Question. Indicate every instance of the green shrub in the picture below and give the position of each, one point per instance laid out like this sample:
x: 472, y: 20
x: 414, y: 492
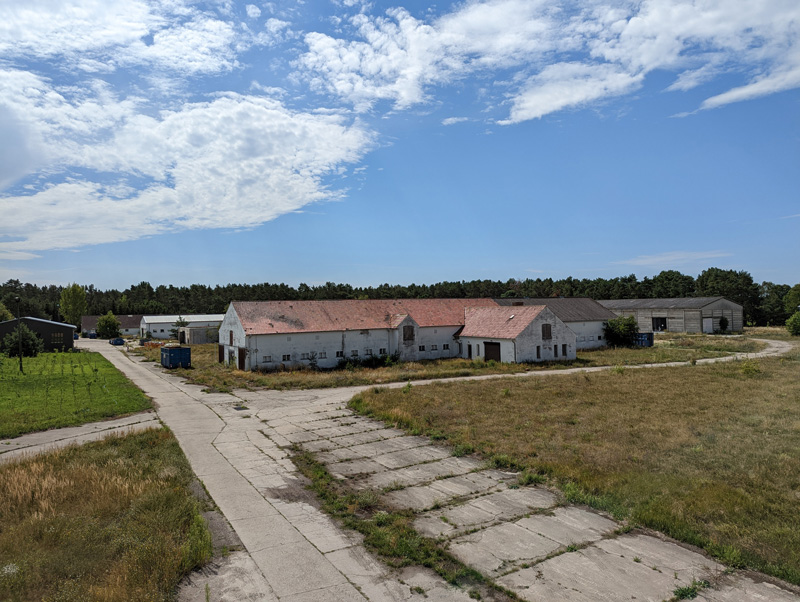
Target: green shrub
x: 108, y: 326
x: 723, y: 324
x: 621, y: 332
x: 793, y: 324
x: 31, y: 344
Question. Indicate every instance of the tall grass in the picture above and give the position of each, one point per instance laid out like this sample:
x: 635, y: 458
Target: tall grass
x: 707, y: 454
x: 63, y: 389
x: 111, y: 521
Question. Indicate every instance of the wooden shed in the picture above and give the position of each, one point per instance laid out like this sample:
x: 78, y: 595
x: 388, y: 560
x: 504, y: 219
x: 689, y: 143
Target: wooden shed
x: 689, y: 314
x: 55, y: 335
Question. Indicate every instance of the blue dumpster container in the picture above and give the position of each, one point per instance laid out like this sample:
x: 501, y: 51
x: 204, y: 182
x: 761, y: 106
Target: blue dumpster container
x: 643, y: 339
x: 176, y: 357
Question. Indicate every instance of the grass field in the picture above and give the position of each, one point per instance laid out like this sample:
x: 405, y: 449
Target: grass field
x: 208, y: 372
x: 707, y: 454
x: 112, y: 521
x: 63, y: 389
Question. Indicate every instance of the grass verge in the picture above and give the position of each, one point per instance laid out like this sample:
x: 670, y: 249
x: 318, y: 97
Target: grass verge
x: 63, y: 389
x: 112, y: 520
x: 387, y: 533
x: 206, y: 370
x: 706, y: 454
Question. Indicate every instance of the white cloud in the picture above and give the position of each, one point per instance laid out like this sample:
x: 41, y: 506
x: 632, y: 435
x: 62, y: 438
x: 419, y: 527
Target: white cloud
x: 101, y: 36
x: 253, y: 11
x: 237, y: 161
x: 454, y: 120
x: 672, y: 258
x: 560, y: 56
x: 568, y: 85
x: 47, y: 28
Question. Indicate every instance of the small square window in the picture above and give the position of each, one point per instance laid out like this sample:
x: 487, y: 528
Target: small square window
x: 434, y: 347
x: 340, y: 354
x: 322, y: 355
x: 267, y: 358
x: 382, y: 351
x: 287, y: 357
x: 446, y: 346
x: 367, y: 351
x: 354, y: 353
x: 422, y: 347
x: 599, y: 338
x: 303, y: 356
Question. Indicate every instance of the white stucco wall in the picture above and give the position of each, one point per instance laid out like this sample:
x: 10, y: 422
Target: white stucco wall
x: 588, y: 335
x: 507, y: 348
x: 297, y: 349
x: 438, y: 343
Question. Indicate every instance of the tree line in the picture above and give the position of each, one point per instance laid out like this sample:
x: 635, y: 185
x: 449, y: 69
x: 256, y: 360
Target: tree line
x: 764, y: 304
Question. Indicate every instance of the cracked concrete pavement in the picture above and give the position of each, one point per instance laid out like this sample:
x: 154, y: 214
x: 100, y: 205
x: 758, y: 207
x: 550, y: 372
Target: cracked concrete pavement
x: 524, y: 538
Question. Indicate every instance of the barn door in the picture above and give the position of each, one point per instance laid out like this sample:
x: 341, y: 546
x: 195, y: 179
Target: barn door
x: 708, y: 325
x: 491, y: 351
x: 242, y: 355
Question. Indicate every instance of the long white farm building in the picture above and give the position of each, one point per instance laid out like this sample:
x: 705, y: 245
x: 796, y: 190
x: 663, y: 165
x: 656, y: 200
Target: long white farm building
x: 268, y: 334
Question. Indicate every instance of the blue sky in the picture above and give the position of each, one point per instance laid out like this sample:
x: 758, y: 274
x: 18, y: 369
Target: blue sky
x: 367, y: 142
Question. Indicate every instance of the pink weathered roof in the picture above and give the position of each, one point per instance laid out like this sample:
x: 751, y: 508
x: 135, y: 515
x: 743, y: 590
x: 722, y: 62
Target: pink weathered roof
x: 286, y: 317
x: 499, y: 322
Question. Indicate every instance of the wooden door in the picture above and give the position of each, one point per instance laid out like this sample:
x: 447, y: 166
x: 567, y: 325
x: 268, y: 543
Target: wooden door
x: 491, y: 351
x: 242, y: 355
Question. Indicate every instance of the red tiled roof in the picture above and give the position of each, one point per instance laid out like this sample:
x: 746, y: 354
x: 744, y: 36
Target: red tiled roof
x: 499, y: 322
x: 286, y: 317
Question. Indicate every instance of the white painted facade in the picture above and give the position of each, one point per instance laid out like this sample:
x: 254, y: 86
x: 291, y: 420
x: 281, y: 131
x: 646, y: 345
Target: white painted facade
x: 588, y: 335
x: 327, y: 349
x: 528, y: 346
x: 159, y: 327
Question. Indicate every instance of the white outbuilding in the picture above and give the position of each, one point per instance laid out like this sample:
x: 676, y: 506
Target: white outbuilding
x: 584, y: 316
x: 530, y: 333
x: 161, y: 327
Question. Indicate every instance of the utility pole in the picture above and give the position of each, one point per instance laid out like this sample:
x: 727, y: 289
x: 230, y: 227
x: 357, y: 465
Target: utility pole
x: 19, y: 336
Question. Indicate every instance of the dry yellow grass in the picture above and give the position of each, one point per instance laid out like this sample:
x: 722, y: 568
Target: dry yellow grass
x: 708, y: 454
x: 111, y: 521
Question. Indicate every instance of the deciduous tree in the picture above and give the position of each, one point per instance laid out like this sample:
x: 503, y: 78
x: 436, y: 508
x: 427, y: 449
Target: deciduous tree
x: 73, y: 304
x: 108, y: 326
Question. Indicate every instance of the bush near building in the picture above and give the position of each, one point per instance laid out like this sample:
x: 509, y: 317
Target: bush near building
x: 621, y: 332
x: 793, y: 324
x: 31, y: 344
x: 108, y: 326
